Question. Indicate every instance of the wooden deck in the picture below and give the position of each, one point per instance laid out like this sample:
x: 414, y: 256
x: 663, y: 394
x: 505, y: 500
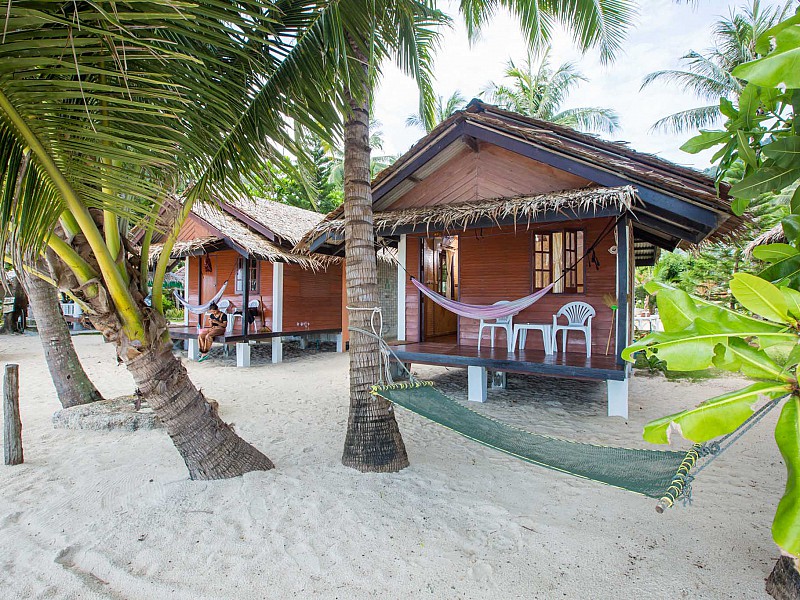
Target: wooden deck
x: 570, y: 364
x: 190, y: 333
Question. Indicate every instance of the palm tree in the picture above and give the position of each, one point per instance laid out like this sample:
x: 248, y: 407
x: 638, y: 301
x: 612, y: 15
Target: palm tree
x: 708, y: 75
x: 405, y: 29
x: 73, y: 386
x: 442, y: 110
x: 376, y: 163
x: 538, y: 91
x: 100, y: 122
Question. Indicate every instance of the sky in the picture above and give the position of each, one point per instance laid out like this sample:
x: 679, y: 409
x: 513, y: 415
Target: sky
x: 664, y: 31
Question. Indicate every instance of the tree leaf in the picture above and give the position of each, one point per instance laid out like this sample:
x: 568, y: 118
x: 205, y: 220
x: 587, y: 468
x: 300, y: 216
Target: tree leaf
x: 727, y: 108
x: 791, y: 228
x: 705, y: 140
x: 784, y: 151
x: 783, y: 272
x: 786, y: 525
x: 739, y: 205
x: 780, y: 67
x: 738, y: 355
x: 774, y: 252
x: 792, y: 297
x: 794, y: 203
x: 749, y: 103
x: 714, y: 417
x: 760, y: 296
x: 746, y: 152
x: 765, y: 179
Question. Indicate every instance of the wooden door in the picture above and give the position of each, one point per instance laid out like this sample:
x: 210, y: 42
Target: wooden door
x: 208, y: 278
x: 440, y: 273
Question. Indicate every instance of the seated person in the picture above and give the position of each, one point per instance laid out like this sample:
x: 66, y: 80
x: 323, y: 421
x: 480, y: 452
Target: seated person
x: 219, y: 323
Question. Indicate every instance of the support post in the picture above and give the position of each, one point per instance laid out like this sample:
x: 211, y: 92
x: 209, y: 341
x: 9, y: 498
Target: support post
x: 193, y: 353
x: 499, y: 380
x: 622, y: 324
x: 339, y: 343
x: 277, y: 311
x: 401, y: 288
x: 476, y: 384
x: 186, y: 290
x: 12, y: 424
x: 243, y: 354
x: 617, y: 398
x: 245, y: 293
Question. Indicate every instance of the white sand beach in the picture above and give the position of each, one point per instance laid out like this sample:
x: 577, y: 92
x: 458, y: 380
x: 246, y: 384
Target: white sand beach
x: 96, y: 514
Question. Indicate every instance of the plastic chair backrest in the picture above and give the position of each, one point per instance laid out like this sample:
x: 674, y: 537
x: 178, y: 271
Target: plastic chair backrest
x: 254, y: 304
x: 224, y: 305
x: 503, y: 320
x: 577, y: 313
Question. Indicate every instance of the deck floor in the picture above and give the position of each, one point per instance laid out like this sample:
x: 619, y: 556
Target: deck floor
x: 446, y: 352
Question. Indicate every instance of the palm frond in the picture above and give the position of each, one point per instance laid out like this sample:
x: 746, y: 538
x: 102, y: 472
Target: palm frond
x: 689, y: 120
x: 589, y: 119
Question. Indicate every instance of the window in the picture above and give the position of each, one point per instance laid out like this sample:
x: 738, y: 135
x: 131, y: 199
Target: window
x: 558, y: 257
x: 254, y: 283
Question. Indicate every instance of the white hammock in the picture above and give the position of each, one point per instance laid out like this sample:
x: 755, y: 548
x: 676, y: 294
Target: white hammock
x: 199, y: 309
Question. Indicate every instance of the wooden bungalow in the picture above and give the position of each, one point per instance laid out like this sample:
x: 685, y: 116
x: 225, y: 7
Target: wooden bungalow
x: 248, y: 245
x: 492, y: 206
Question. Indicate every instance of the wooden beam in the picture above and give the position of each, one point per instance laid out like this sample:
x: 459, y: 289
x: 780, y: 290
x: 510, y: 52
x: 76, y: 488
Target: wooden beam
x: 245, y: 294
x: 623, y: 279
x: 401, y: 288
x: 249, y: 221
x: 12, y: 424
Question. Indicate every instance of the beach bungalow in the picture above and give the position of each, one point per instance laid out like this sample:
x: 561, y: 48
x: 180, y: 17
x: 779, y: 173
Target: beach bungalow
x: 241, y: 254
x: 492, y: 206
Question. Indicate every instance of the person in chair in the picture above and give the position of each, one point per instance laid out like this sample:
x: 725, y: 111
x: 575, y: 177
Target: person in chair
x: 219, y: 324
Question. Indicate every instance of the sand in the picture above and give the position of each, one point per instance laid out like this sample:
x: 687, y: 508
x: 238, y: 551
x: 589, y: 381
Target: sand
x: 96, y: 514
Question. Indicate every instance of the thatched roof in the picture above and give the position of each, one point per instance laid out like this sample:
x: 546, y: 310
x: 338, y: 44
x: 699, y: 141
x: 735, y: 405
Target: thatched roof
x: 771, y: 236
x: 522, y: 210
x: 230, y: 231
x: 290, y: 223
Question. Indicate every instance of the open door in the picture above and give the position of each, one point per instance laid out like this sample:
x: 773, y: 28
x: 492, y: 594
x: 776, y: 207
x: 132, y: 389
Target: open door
x: 440, y: 273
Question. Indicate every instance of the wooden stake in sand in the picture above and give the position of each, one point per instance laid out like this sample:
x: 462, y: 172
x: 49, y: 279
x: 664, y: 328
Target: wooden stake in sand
x: 12, y: 424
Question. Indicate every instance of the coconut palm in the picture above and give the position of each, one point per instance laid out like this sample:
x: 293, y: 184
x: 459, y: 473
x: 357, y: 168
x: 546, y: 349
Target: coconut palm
x: 537, y: 91
x: 708, y: 74
x: 442, y: 110
x: 99, y: 124
x: 405, y: 30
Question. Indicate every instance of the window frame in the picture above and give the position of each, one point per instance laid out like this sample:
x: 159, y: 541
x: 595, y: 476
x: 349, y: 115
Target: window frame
x: 255, y: 278
x: 578, y: 251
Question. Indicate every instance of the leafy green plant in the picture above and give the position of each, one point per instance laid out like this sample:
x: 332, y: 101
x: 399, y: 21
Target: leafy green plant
x: 761, y: 133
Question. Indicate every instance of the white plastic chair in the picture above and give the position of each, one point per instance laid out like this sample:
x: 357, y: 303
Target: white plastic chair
x: 506, y: 323
x: 579, y: 318
x: 256, y: 304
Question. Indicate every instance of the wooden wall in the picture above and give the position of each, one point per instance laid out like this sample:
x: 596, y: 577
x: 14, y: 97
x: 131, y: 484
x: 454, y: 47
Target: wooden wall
x: 492, y: 172
x: 496, y: 265
x: 312, y: 297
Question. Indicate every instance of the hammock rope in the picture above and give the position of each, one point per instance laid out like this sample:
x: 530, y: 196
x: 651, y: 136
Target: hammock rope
x: 664, y: 475
x: 480, y: 311
x: 199, y: 309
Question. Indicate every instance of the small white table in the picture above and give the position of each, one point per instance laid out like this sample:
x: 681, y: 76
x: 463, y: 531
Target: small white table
x: 521, y: 332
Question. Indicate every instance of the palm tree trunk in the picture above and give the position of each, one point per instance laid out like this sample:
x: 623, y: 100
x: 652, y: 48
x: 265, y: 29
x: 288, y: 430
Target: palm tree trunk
x: 209, y: 446
x: 14, y: 322
x: 72, y: 384
x: 373, y: 442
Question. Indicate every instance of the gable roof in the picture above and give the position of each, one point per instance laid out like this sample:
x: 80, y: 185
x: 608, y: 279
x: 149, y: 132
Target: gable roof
x: 263, y: 229
x: 675, y: 204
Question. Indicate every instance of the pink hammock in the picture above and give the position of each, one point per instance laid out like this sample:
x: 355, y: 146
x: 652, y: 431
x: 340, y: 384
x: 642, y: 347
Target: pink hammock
x: 480, y: 311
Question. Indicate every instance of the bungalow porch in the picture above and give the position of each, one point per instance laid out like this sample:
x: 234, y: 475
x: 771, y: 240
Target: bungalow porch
x: 491, y: 206
x: 271, y: 293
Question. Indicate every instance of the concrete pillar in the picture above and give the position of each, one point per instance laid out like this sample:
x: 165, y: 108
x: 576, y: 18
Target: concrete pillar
x: 277, y: 311
x: 242, y: 354
x: 476, y: 377
x: 617, y: 398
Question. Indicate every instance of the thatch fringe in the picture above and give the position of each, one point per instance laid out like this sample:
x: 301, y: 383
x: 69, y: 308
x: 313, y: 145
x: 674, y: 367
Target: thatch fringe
x: 450, y: 217
x: 771, y: 236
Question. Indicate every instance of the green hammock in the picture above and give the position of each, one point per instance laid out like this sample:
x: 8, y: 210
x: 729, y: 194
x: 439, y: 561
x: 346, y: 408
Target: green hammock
x: 655, y: 473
